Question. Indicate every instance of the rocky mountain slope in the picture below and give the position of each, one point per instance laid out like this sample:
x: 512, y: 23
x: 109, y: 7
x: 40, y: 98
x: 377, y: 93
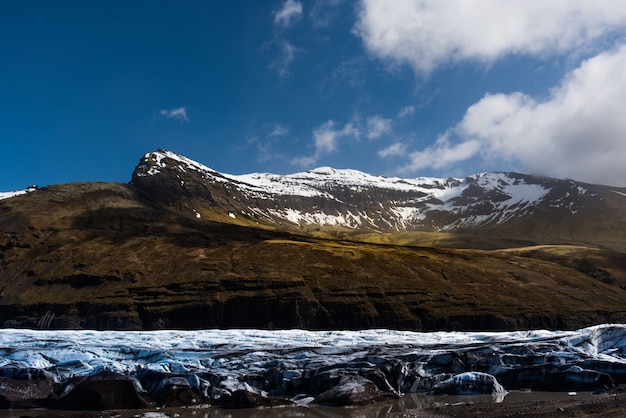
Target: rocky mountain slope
x: 489, y: 202
x: 183, y: 246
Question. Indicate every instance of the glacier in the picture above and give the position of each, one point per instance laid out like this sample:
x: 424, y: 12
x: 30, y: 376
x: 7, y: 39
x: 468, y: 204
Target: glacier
x: 299, y: 364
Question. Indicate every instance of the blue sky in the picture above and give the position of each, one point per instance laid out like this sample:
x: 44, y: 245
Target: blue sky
x: 390, y: 87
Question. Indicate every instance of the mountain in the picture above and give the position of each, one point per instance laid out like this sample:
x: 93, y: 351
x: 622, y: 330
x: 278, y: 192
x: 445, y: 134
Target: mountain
x: 183, y: 246
x: 505, y: 205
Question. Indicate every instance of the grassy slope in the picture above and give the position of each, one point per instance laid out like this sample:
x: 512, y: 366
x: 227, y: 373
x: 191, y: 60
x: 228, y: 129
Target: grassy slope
x: 100, y: 255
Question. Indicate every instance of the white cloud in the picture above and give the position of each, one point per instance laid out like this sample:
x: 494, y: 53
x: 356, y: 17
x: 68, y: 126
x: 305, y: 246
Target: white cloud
x: 393, y: 150
x: 284, y: 51
x: 306, y: 161
x: 278, y: 130
x: 265, y: 139
x: 351, y: 71
x: 407, y: 111
x: 325, y: 138
x: 323, y: 12
x: 284, y: 58
x: 429, y: 33
x: 179, y: 114
x: 578, y: 132
x: 288, y: 14
x: 377, y: 127
x: 442, y: 154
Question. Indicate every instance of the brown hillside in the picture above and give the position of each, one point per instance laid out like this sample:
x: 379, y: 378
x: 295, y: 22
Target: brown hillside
x: 103, y: 255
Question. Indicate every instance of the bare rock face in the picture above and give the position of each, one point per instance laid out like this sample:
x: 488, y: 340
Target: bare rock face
x: 175, y: 391
x: 26, y: 388
x: 101, y: 392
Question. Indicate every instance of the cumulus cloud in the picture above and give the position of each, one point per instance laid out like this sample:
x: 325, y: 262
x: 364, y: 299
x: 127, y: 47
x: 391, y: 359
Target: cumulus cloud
x: 393, y: 150
x: 325, y: 139
x: 288, y: 14
x: 429, y: 33
x: 377, y: 127
x: 578, y: 132
x: 180, y: 114
x: 442, y: 154
x: 326, y: 136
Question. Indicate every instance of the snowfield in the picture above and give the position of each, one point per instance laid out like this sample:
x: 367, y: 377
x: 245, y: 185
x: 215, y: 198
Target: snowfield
x: 6, y: 195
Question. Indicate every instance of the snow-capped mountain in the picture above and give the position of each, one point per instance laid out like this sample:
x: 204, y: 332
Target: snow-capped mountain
x: 353, y: 199
x: 184, y: 246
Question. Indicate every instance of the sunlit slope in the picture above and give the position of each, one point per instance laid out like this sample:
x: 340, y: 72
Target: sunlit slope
x: 487, y: 210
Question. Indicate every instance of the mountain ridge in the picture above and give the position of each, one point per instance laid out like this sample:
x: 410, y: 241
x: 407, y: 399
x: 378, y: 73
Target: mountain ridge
x: 172, y: 249
x: 491, y: 203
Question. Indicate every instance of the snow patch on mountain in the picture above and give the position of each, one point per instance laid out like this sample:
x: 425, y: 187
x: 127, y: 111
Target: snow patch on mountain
x: 311, y: 183
x: 619, y: 193
x: 354, y: 199
x: 516, y: 191
x: 350, y: 220
x: 506, y: 198
x: 6, y: 195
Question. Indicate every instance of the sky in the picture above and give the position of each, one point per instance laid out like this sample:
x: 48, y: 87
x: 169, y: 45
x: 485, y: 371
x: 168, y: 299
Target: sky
x: 409, y: 88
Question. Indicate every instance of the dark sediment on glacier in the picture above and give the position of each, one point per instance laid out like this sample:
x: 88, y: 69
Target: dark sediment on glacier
x: 115, y: 371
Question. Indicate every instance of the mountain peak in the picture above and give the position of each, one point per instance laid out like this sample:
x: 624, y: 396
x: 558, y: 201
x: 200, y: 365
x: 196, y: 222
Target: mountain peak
x: 323, y: 170
x: 153, y: 162
x: 326, y: 196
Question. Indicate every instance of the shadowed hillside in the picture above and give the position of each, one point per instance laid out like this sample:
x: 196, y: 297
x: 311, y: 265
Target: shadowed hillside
x: 106, y: 255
